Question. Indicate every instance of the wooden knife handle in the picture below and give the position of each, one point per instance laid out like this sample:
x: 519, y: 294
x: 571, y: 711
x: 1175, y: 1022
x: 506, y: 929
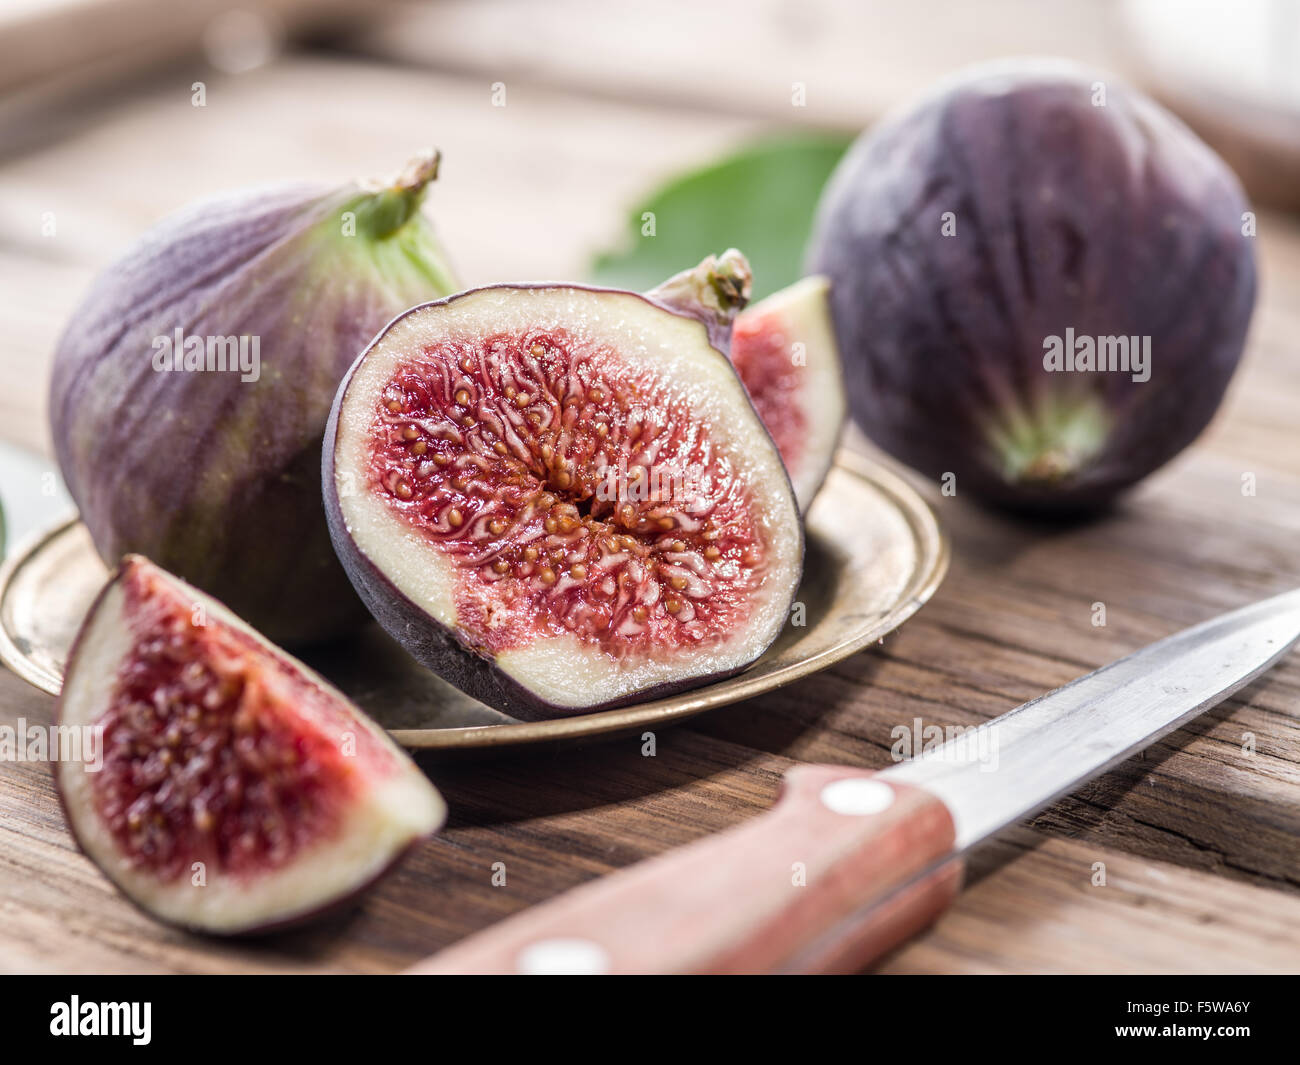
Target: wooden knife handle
x: 842, y: 869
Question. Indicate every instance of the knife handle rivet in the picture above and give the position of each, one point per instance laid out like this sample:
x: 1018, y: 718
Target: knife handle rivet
x: 857, y: 796
x: 562, y: 957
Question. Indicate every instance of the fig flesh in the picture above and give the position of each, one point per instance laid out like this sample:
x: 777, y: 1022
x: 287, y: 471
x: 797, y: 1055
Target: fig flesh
x: 1020, y: 210
x: 785, y: 352
x: 191, y: 388
x: 236, y: 791
x: 559, y: 497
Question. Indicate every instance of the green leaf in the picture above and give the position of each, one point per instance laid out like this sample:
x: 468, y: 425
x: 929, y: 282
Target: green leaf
x: 760, y: 200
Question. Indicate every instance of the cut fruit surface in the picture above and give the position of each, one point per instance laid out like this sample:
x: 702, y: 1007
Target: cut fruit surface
x: 785, y: 352
x: 236, y: 790
x: 560, y: 498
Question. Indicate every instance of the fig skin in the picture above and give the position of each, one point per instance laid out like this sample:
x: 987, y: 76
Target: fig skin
x: 1112, y: 220
x: 83, y: 826
x: 441, y: 648
x: 214, y: 478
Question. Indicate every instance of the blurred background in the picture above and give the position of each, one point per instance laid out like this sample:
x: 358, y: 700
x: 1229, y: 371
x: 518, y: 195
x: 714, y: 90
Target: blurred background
x: 114, y: 112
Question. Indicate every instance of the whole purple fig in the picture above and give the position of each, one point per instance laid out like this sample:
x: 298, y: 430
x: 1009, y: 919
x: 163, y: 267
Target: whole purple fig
x: 191, y: 389
x: 1041, y: 283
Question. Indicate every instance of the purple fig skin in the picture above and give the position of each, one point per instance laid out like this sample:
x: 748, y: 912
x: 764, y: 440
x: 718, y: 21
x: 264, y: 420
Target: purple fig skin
x: 426, y: 639
x: 291, y: 921
x: 1112, y: 220
x: 214, y: 478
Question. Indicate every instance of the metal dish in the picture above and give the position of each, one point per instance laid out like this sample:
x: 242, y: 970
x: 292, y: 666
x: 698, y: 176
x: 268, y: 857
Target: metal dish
x: 874, y: 556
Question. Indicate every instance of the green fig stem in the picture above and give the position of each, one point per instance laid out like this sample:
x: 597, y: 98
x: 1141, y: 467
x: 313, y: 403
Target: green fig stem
x: 713, y: 292
x: 384, y: 212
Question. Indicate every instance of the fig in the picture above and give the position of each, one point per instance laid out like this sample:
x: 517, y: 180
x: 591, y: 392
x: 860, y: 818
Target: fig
x: 559, y: 497
x: 785, y: 352
x: 233, y: 790
x: 191, y: 388
x: 1041, y: 283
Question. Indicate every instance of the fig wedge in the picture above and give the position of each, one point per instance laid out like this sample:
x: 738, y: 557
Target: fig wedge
x: 785, y: 351
x: 233, y: 791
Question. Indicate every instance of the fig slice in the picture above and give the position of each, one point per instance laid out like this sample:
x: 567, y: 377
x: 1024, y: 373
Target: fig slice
x: 785, y: 352
x: 560, y: 497
x: 235, y: 790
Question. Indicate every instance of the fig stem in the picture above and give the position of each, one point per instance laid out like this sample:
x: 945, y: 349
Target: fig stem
x: 384, y: 211
x: 713, y: 292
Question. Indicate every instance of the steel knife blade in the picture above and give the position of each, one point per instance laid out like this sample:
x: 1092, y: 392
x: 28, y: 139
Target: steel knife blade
x: 1050, y: 745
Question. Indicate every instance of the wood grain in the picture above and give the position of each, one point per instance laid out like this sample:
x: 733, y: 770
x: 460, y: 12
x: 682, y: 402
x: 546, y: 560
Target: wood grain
x: 1200, y: 838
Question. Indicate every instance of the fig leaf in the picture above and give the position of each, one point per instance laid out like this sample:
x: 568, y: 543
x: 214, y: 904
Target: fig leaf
x: 761, y: 199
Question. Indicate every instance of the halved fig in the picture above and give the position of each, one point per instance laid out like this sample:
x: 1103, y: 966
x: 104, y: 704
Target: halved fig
x: 559, y: 497
x: 236, y: 791
x: 785, y: 351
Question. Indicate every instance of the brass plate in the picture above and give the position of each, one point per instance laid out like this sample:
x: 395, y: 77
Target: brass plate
x: 874, y: 556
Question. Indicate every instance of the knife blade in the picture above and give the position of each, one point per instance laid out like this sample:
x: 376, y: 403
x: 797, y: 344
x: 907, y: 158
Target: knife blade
x: 1052, y: 744
x: 850, y: 863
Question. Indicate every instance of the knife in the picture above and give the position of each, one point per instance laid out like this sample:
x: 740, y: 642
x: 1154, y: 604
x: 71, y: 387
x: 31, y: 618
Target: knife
x: 849, y: 864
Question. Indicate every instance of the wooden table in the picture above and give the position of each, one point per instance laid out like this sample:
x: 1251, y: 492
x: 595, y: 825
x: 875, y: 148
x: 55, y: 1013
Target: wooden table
x: 1200, y: 840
